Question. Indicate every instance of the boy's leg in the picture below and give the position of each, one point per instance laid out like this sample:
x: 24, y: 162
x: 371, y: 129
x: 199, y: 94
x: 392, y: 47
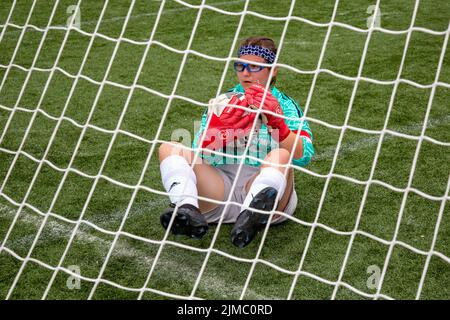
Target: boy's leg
x: 184, y: 184
x: 209, y: 183
x: 275, y: 157
x: 261, y: 194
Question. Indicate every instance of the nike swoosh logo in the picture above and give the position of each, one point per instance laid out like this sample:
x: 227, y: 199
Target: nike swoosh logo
x: 173, y: 185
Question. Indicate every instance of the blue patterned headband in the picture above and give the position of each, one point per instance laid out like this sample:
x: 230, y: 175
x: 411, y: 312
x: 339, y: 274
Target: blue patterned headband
x: 257, y: 51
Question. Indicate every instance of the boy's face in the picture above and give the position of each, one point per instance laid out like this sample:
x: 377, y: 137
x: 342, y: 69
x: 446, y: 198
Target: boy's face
x: 247, y: 78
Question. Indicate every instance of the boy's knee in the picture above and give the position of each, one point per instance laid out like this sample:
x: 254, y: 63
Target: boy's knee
x: 280, y: 155
x: 167, y: 149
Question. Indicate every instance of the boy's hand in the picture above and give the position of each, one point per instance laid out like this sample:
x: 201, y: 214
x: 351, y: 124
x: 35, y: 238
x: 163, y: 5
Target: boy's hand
x: 227, y: 128
x: 254, y: 95
x: 231, y: 115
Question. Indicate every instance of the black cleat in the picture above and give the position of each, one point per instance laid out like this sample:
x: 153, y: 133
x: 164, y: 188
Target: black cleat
x: 249, y: 223
x: 188, y: 221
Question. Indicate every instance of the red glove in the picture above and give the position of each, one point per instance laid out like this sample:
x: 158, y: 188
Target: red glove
x: 254, y: 96
x: 232, y: 115
x: 230, y: 126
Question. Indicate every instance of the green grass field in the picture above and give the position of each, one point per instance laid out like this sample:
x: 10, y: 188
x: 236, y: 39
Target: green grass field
x: 177, y: 268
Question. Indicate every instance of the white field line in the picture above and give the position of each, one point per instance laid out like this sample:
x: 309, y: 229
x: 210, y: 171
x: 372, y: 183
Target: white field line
x: 138, y: 211
x: 328, y: 152
x: 221, y: 287
x: 164, y: 12
x: 9, y: 31
x: 346, y: 148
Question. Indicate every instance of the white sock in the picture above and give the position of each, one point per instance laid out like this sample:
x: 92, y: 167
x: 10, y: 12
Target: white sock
x: 268, y: 177
x: 179, y: 178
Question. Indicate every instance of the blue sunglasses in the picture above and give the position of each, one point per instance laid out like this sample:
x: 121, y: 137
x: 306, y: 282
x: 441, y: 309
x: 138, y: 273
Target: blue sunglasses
x: 240, y: 66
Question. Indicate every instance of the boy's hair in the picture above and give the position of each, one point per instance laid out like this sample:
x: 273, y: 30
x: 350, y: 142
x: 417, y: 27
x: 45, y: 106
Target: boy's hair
x: 265, y: 43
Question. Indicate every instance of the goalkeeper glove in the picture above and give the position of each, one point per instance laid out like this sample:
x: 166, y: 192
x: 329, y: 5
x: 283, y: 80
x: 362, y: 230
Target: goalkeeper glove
x: 232, y: 124
x: 232, y: 115
x: 254, y: 95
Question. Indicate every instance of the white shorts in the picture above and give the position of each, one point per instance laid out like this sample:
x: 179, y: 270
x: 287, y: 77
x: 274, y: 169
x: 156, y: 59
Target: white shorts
x: 228, y: 173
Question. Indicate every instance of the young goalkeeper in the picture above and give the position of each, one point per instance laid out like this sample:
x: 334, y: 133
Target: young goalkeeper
x: 258, y: 183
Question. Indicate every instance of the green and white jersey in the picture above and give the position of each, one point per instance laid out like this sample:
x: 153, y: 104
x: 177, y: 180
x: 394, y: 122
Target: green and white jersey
x: 262, y: 143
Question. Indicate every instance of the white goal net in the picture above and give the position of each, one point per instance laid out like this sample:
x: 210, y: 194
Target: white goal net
x: 45, y: 219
